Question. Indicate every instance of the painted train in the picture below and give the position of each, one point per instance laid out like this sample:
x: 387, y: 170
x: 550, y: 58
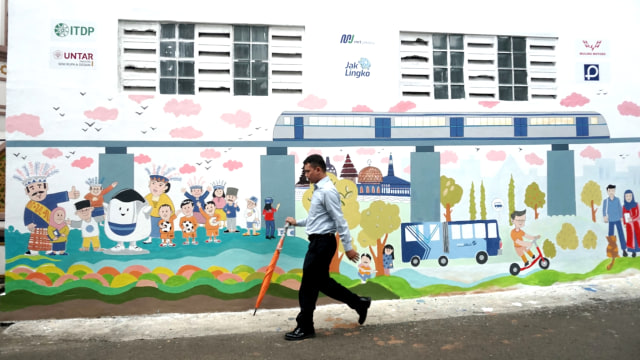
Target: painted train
x: 368, y: 125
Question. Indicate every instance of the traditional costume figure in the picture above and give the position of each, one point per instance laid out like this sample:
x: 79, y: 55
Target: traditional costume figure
x: 198, y: 197
x: 159, y: 186
x: 96, y: 196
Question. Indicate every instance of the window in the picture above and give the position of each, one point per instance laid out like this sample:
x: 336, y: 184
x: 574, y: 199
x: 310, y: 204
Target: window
x: 512, y: 68
x: 177, y: 65
x: 250, y: 60
x: 448, y: 63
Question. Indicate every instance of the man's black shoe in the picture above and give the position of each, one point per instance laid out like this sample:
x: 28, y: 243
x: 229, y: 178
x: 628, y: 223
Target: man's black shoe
x: 362, y: 309
x: 299, y: 334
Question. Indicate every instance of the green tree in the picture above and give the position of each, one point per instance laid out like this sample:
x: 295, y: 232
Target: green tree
x: 377, y: 222
x: 549, y: 249
x: 472, y: 203
x: 567, y: 238
x: 590, y: 240
x: 591, y: 196
x: 512, y: 198
x: 534, y: 198
x: 483, y: 204
x: 450, y: 195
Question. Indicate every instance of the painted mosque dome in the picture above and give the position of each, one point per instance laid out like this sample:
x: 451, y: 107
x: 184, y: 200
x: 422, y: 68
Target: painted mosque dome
x: 370, y: 175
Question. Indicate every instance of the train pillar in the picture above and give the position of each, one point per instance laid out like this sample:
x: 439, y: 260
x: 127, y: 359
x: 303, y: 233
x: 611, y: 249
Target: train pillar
x: 278, y: 173
x: 115, y: 165
x: 561, y: 181
x: 425, y: 184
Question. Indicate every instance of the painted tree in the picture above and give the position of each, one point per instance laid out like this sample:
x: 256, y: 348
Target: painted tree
x: 450, y: 195
x: 472, y: 203
x: 567, y: 238
x: 591, y: 196
x: 534, y: 197
x: 483, y: 202
x: 512, y: 198
x: 377, y: 222
x: 549, y: 249
x: 590, y: 240
x: 350, y: 208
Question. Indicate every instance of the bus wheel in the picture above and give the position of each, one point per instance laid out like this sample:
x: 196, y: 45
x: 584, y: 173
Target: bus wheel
x: 514, y: 269
x: 415, y: 261
x: 482, y: 257
x: 544, y: 263
x: 443, y: 261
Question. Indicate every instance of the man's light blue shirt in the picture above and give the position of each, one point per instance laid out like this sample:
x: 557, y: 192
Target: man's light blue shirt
x: 325, y: 213
x: 612, y: 209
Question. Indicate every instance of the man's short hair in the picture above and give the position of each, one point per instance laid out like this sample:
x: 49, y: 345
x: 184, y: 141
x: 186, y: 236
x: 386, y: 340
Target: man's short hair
x: 185, y: 202
x: 518, y: 213
x: 611, y: 186
x: 316, y: 160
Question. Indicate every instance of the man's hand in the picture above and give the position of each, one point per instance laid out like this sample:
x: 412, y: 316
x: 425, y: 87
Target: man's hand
x: 291, y: 220
x: 353, y: 255
x: 606, y: 219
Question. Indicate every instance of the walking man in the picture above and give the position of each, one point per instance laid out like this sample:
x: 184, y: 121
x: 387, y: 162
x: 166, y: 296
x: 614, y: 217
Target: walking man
x: 324, y: 220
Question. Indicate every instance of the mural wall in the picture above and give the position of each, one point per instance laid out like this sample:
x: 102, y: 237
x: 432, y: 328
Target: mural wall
x: 155, y: 151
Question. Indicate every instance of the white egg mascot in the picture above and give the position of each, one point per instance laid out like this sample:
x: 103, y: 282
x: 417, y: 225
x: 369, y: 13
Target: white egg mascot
x: 127, y: 220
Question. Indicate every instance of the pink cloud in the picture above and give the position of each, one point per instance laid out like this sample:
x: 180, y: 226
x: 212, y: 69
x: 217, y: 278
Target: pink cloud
x: 407, y: 170
x: 533, y: 159
x: 24, y: 123
x: 366, y: 151
x: 295, y: 157
x: 448, y: 157
x: 361, y: 108
x: 494, y: 155
x: 312, y: 102
x: 338, y: 158
x: 187, y: 169
x: 184, y: 107
x: 140, y: 98
x: 210, y: 154
x: 402, y: 106
x: 591, y: 153
x: 102, y: 114
x: 629, y: 108
x: 52, y: 153
x: 232, y: 165
x: 314, y: 151
x: 82, y: 163
x: 574, y: 100
x: 142, y: 159
x: 488, y: 104
x: 240, y: 119
x: 187, y: 132
x: 385, y: 160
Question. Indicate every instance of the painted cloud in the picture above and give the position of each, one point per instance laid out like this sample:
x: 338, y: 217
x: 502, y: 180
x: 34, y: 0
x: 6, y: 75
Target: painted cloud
x: 591, y: 153
x: 448, y: 157
x: 533, y: 159
x: 187, y: 169
x: 187, y: 132
x: 574, y: 100
x: 494, y: 155
x: 312, y: 102
x: 402, y: 106
x: 232, y: 165
x: 102, y: 114
x: 210, y: 154
x: 25, y: 123
x: 629, y: 108
x: 184, y: 107
x: 241, y: 119
x: 488, y: 104
x: 361, y: 108
x: 142, y: 159
x: 140, y: 98
x: 52, y: 153
x: 82, y: 163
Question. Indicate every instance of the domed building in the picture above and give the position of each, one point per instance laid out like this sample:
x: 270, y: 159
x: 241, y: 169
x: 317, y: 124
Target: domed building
x: 371, y: 182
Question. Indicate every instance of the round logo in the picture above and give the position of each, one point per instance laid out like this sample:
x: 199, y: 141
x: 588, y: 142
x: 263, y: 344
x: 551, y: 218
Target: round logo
x: 497, y: 204
x: 61, y: 30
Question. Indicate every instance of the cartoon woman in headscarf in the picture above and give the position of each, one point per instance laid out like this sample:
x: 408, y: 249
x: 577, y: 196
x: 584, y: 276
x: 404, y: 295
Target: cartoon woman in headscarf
x: 58, y: 232
x: 631, y: 220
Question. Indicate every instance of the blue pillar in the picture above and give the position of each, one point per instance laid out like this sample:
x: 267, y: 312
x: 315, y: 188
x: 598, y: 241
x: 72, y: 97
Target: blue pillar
x: 561, y: 181
x: 277, y: 180
x: 425, y: 185
x: 116, y: 165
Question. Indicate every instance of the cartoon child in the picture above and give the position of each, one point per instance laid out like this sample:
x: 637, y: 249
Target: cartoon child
x: 212, y: 225
x: 159, y: 186
x: 387, y: 259
x: 88, y: 225
x: 219, y: 199
x: 96, y: 196
x: 631, y: 219
x: 58, y: 232
x: 268, y: 212
x: 188, y: 223
x: 197, y: 196
x: 231, y: 209
x: 364, y: 268
x: 517, y: 234
x: 252, y: 217
x: 167, y: 230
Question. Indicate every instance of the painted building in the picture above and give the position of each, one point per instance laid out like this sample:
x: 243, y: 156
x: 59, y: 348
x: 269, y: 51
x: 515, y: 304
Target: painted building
x: 142, y: 134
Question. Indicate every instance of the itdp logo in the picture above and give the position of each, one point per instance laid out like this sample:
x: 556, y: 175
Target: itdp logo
x: 591, y: 72
x: 64, y: 30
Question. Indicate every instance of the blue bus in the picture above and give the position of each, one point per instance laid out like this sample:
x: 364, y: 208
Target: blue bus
x: 450, y: 240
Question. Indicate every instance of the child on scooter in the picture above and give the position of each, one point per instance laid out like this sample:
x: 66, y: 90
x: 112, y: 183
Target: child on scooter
x: 517, y: 234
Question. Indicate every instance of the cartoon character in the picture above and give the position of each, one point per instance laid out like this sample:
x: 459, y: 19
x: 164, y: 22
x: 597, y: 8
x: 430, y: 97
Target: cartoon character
x: 219, y: 199
x: 197, y: 196
x: 96, y: 196
x: 387, y: 259
x: 159, y: 186
x: 231, y: 209
x: 213, y: 224
x: 631, y: 219
x: 252, y: 217
x: 269, y: 212
x: 612, y: 214
x: 37, y: 212
x: 364, y: 268
x: 88, y: 225
x: 167, y: 231
x: 58, y: 232
x: 517, y: 234
x: 188, y: 223
x: 127, y: 220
